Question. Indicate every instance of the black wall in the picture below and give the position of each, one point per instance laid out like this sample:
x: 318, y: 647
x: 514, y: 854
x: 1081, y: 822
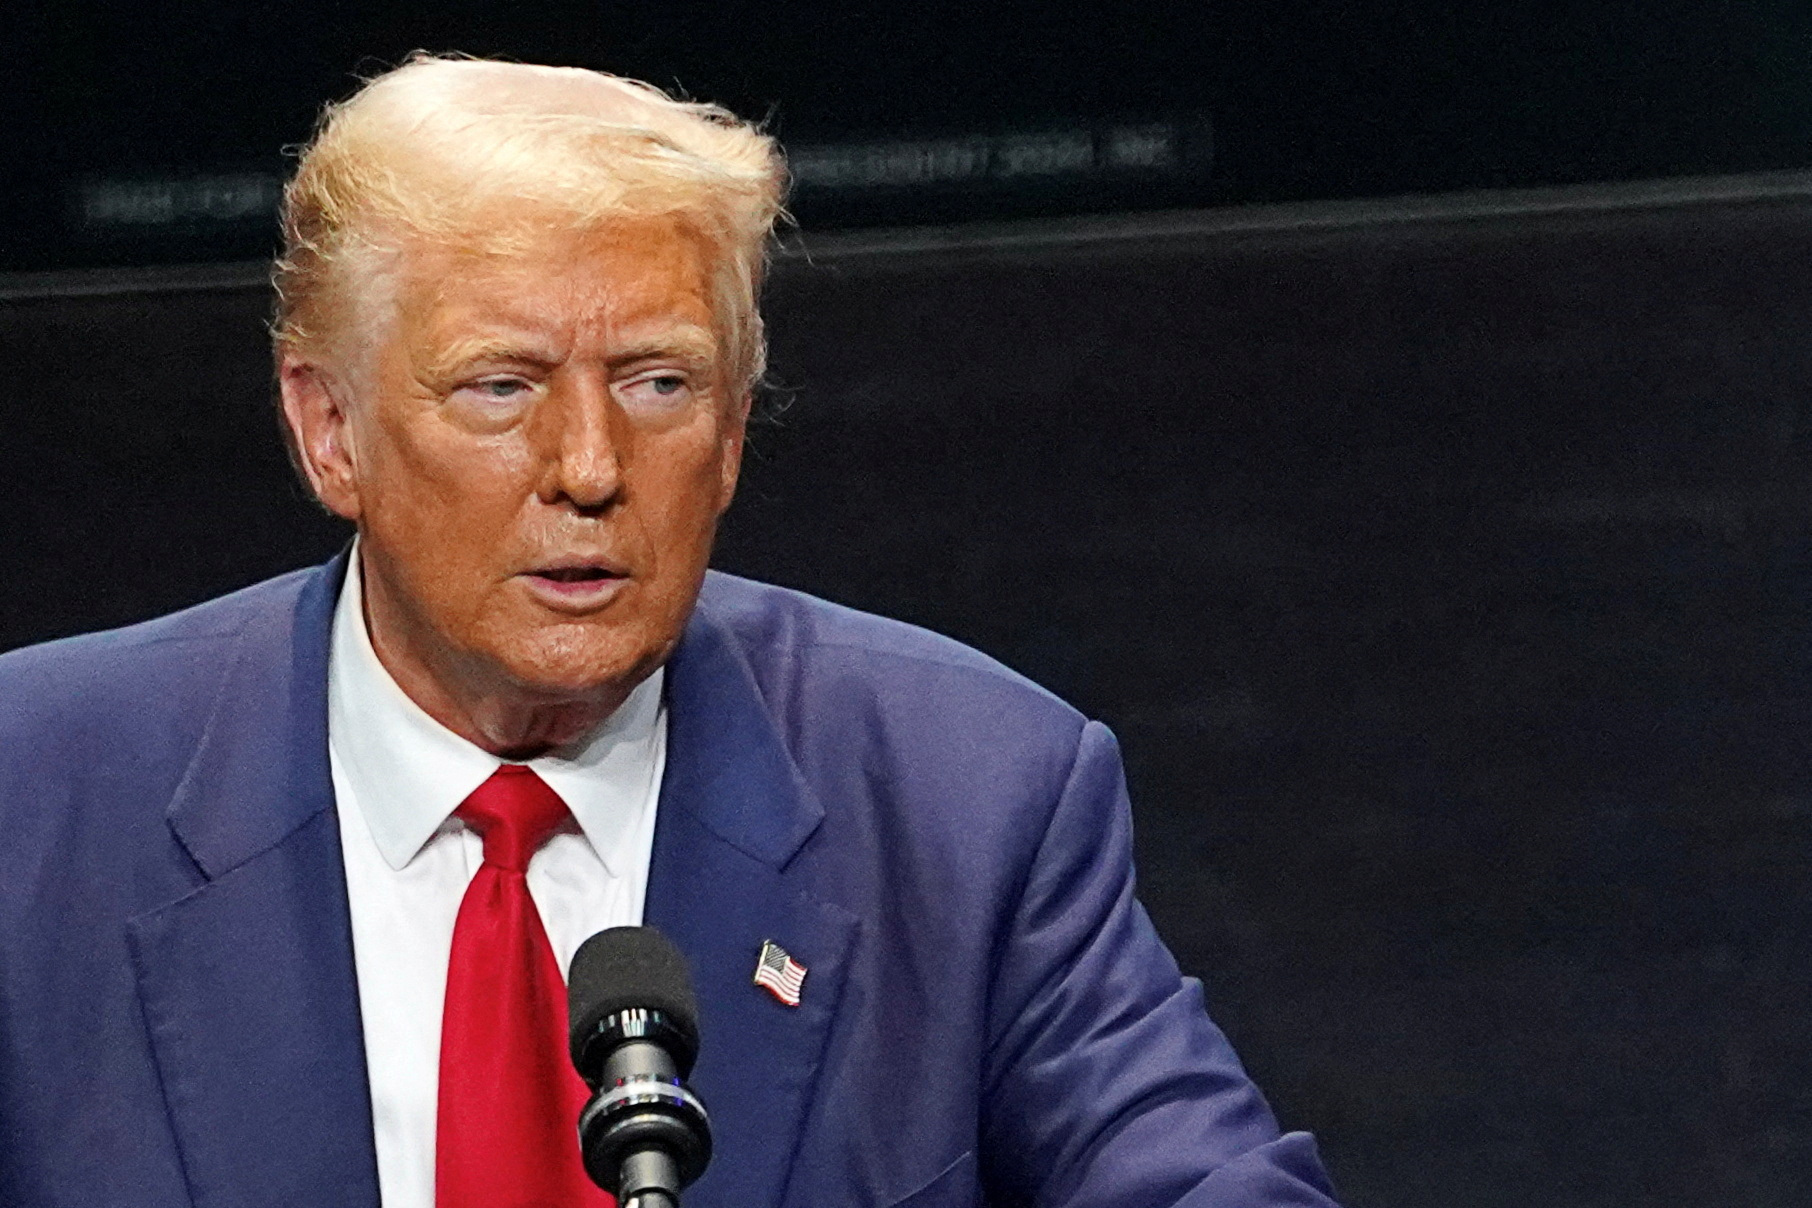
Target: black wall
x: 1306, y: 98
x: 1445, y: 579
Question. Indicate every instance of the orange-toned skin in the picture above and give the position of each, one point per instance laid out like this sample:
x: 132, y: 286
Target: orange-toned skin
x: 571, y: 405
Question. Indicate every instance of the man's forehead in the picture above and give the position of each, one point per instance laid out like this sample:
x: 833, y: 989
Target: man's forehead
x: 634, y: 265
x: 457, y: 306
x: 522, y: 237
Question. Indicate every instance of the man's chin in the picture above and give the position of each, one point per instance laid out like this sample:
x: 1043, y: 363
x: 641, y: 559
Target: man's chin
x: 564, y: 671
x: 548, y: 704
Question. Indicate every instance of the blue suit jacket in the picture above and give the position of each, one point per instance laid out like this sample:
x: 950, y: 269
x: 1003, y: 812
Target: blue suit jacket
x: 988, y: 1016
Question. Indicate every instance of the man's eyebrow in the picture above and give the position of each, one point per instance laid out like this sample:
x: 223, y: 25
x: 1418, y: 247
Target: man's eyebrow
x: 474, y: 350
x: 685, y: 340
x: 689, y: 340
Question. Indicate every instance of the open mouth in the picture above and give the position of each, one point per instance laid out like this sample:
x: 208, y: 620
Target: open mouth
x: 577, y: 585
x: 575, y: 574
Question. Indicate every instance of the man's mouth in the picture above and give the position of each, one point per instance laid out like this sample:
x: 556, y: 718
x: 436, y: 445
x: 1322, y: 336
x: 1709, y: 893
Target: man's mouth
x: 582, y: 585
x: 574, y: 574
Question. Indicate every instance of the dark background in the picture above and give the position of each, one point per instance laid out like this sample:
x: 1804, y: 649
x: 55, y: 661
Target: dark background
x: 1306, y: 98
x: 1441, y: 562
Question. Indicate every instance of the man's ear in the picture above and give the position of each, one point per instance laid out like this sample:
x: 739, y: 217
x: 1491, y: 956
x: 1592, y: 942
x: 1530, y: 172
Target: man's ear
x: 314, y: 407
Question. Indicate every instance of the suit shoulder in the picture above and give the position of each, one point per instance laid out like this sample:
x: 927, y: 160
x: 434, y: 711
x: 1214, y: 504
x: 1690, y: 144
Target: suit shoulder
x: 795, y: 642
x: 109, y: 678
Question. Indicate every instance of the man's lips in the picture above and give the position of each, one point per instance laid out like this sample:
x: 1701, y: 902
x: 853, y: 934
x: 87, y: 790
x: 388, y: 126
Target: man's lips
x: 578, y: 583
x: 575, y: 574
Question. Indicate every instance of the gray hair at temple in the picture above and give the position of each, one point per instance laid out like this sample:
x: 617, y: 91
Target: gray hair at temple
x: 479, y: 155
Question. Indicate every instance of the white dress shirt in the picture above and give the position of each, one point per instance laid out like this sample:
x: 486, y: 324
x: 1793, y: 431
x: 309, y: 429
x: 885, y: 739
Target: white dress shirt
x: 398, y: 775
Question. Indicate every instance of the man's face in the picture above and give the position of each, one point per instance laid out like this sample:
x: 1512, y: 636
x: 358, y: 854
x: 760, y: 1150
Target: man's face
x: 537, y: 457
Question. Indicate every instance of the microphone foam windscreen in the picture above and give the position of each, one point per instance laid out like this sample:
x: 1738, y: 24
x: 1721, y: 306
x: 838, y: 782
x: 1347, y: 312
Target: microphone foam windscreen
x: 624, y: 967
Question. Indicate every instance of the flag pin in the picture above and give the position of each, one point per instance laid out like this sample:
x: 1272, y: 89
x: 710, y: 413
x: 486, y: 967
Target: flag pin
x: 779, y: 972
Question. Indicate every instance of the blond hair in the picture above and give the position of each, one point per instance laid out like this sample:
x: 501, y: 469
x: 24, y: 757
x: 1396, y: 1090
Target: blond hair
x: 477, y: 155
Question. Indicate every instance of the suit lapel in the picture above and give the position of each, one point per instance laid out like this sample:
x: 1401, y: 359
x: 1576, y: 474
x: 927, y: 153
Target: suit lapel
x: 734, y: 811
x: 248, y: 983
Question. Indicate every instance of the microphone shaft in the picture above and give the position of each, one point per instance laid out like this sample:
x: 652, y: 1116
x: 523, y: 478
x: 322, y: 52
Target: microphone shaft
x: 638, y: 1059
x: 650, y: 1180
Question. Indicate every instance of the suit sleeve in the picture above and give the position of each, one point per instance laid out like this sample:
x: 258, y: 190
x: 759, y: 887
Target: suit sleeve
x: 1106, y: 1085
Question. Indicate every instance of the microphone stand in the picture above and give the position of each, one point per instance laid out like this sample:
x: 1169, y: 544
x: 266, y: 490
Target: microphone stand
x: 650, y: 1180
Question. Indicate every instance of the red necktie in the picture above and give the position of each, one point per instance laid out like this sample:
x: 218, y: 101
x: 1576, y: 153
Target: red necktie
x: 507, y: 1130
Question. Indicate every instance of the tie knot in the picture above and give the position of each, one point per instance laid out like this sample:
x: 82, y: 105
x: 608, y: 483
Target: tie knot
x: 515, y: 811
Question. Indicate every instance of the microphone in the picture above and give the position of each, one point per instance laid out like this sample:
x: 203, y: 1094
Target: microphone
x: 634, y: 1030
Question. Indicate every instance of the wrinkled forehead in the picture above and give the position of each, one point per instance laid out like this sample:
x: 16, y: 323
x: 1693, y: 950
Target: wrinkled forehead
x: 578, y: 266
x: 635, y: 279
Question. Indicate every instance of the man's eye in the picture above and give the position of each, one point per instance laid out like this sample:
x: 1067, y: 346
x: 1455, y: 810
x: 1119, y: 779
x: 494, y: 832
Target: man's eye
x: 656, y: 390
x: 664, y: 384
x: 495, y: 393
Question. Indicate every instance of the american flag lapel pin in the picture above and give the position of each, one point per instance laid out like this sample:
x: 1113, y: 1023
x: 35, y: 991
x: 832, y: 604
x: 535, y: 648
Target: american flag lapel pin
x: 779, y: 973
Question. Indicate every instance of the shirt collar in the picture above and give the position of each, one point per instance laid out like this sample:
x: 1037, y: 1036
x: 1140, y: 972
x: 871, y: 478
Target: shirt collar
x: 410, y: 772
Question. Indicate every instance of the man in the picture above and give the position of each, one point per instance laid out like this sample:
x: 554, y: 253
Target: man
x: 289, y: 878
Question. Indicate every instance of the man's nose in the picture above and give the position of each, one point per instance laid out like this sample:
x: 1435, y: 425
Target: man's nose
x: 581, y: 462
